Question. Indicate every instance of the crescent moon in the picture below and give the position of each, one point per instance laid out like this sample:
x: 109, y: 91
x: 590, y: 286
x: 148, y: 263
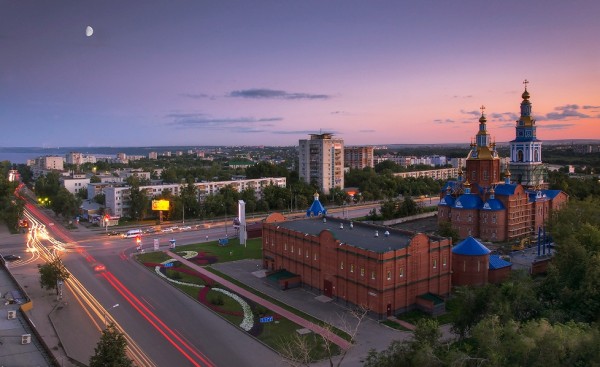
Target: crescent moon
x: 89, y: 31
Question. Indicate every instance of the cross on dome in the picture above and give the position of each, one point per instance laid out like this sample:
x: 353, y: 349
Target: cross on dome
x: 482, y: 108
x: 525, y: 82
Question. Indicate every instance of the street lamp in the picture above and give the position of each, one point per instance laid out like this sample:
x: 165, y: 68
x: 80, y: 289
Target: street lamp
x: 106, y: 313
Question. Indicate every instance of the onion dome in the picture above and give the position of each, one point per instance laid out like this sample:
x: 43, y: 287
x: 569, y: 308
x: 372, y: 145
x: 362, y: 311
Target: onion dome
x: 525, y: 94
x: 470, y: 246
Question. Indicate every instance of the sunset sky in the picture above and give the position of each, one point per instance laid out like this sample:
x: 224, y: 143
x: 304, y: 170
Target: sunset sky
x: 270, y: 72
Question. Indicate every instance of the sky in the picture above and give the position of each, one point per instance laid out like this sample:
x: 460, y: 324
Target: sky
x: 271, y: 72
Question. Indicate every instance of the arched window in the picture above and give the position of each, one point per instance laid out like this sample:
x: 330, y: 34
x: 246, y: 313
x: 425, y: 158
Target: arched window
x: 519, y: 156
x: 536, y: 155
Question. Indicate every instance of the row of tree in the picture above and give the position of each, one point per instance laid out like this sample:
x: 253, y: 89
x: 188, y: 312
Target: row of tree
x: 525, y: 321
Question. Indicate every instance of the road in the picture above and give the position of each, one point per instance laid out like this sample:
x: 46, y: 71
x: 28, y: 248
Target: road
x: 164, y: 326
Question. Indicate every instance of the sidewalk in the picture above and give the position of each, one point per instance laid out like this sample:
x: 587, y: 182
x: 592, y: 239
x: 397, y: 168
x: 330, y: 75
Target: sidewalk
x: 61, y: 324
x: 341, y: 342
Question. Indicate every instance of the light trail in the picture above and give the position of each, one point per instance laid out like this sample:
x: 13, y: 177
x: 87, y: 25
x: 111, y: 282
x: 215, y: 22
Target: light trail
x: 90, y: 305
x: 158, y: 324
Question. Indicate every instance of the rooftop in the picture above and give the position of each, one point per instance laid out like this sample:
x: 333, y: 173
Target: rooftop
x: 359, y: 235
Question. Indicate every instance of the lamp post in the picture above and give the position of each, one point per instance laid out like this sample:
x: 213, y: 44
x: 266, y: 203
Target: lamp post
x: 106, y: 313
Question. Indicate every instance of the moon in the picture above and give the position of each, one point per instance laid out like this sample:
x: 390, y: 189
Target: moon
x: 89, y: 31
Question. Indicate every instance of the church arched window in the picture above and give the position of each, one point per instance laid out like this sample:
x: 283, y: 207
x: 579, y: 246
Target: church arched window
x: 519, y: 156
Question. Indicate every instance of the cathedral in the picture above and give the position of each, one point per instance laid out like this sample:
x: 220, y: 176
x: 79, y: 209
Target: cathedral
x: 482, y: 204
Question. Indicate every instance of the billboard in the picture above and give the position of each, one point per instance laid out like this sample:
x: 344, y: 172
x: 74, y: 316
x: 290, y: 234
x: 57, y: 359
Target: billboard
x: 160, y: 204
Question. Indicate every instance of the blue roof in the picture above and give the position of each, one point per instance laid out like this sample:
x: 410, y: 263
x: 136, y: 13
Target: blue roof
x: 470, y: 246
x: 496, y: 262
x: 316, y: 209
x: 493, y: 204
x: 506, y: 189
x: 551, y: 193
x: 468, y: 201
x: 447, y: 200
x: 524, y: 139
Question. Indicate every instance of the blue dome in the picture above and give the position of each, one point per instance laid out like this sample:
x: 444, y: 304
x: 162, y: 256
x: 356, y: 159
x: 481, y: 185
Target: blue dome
x: 468, y: 201
x: 470, y: 246
x: 316, y: 209
x: 493, y: 204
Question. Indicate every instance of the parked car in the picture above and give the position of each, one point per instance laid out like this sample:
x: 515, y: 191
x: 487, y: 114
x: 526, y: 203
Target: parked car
x: 185, y: 228
x: 11, y: 257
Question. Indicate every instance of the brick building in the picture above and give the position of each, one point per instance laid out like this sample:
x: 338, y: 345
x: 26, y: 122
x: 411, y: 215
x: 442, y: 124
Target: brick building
x: 384, y: 269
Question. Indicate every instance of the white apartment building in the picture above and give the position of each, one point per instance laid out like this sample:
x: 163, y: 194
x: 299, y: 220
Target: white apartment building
x: 117, y: 195
x: 152, y: 155
x: 75, y: 184
x: 321, y: 160
x: 258, y: 184
x: 79, y: 158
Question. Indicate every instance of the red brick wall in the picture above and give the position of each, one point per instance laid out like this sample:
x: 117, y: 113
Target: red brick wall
x: 358, y: 276
x: 469, y: 270
x: 497, y: 276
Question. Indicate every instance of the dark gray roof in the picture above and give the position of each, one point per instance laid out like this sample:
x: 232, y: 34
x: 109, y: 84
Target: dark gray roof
x: 361, y: 235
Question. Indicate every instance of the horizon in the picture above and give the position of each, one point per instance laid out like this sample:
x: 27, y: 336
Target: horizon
x: 239, y: 74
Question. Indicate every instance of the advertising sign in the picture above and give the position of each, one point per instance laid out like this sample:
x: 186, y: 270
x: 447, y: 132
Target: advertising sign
x: 160, y: 204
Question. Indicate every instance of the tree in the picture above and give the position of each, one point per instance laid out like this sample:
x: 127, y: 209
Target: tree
x: 51, y: 273
x: 111, y: 350
x: 302, y: 350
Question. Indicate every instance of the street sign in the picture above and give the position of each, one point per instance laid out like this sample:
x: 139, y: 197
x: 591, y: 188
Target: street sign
x: 266, y: 319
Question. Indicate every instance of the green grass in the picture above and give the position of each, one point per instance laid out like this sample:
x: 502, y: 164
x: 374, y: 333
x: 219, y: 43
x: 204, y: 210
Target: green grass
x: 231, y: 252
x: 273, y: 333
x: 394, y: 325
x: 295, y: 311
x: 415, y: 315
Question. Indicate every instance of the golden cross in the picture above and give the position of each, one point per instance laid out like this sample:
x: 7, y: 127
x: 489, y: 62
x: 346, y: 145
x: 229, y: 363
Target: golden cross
x: 482, y: 108
x: 526, y: 82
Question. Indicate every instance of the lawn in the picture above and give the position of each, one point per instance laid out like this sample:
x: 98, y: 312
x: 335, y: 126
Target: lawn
x: 276, y: 333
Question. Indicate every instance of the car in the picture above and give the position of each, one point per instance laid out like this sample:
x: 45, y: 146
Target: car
x: 185, y: 228
x: 99, y: 267
x: 11, y: 257
x: 150, y: 230
x: 113, y: 233
x: 165, y: 230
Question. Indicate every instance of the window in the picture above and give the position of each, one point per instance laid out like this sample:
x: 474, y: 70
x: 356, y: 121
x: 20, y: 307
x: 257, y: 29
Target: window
x: 315, y: 256
x: 362, y: 272
x: 494, y: 218
x: 342, y: 265
x: 373, y: 275
x: 485, y: 175
x: 389, y: 275
x: 285, y: 246
x: 352, y: 268
x: 401, y: 272
x: 444, y: 261
x: 478, y: 266
x: 307, y: 254
x: 292, y: 249
x: 299, y: 251
x: 435, y: 263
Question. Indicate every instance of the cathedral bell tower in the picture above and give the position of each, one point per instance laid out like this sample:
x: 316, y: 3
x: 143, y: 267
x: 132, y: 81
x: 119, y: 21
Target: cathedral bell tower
x: 526, y: 150
x: 483, y: 162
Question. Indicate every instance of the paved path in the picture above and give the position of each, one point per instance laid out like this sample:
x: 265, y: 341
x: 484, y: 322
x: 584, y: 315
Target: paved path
x: 341, y: 342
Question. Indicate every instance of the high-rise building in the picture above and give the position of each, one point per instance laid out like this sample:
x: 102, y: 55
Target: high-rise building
x: 526, y: 150
x: 321, y: 160
x: 358, y: 157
